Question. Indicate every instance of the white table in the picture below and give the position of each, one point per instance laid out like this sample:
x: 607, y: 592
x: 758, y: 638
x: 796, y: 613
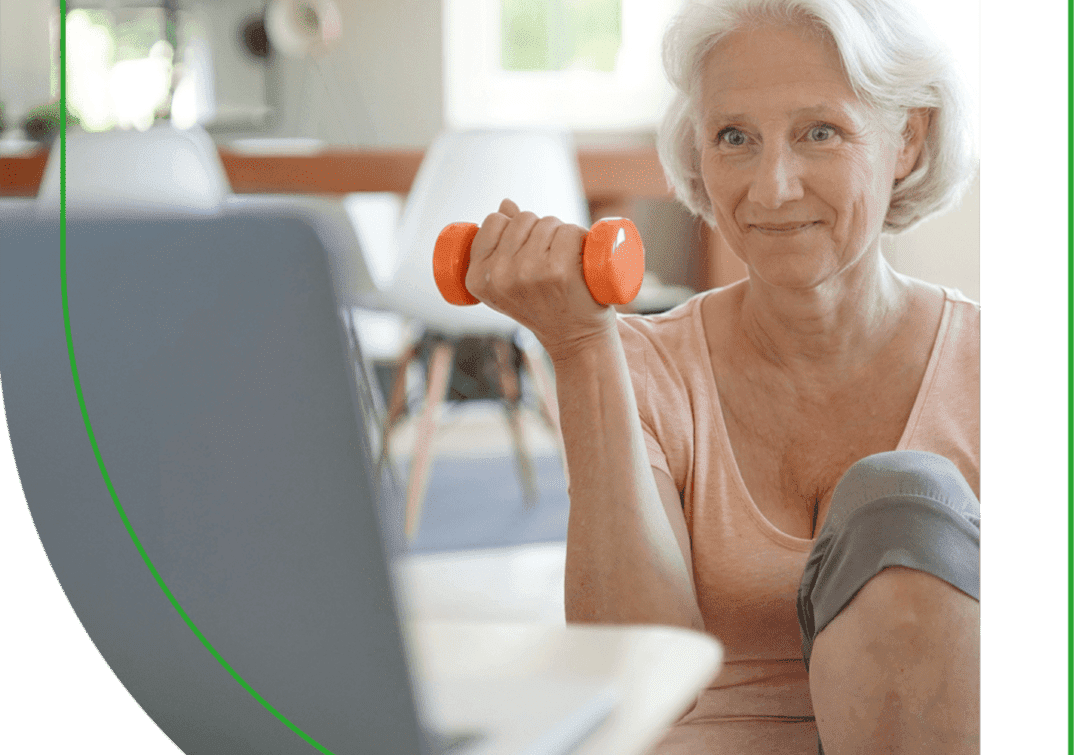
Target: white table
x: 656, y: 671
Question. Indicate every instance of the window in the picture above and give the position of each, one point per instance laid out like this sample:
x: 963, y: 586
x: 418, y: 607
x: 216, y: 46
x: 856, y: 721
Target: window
x: 121, y: 67
x: 560, y: 35
x: 118, y: 66
x: 580, y: 64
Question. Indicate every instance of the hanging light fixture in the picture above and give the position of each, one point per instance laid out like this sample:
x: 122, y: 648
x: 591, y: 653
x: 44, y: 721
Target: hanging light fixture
x: 303, y: 28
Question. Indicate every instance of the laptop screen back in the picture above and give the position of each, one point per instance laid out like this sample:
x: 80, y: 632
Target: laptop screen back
x: 217, y: 388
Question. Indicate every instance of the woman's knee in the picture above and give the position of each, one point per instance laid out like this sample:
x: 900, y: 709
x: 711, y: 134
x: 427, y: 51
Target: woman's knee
x: 920, y: 474
x: 902, y: 657
x: 901, y: 615
x: 892, y: 514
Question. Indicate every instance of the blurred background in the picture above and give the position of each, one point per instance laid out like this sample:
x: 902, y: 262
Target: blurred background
x: 352, y: 111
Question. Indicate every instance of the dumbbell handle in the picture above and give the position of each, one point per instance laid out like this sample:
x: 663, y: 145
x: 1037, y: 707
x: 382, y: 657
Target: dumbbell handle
x: 612, y: 254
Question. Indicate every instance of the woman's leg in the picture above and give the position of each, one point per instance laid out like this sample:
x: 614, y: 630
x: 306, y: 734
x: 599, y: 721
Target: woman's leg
x: 897, y: 670
x: 889, y: 610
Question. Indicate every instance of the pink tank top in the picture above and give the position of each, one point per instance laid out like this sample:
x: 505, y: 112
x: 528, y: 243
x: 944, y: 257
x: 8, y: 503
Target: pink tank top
x: 746, y: 570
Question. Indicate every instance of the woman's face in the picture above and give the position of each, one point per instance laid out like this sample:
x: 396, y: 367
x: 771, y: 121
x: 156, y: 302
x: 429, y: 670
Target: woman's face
x: 798, y: 171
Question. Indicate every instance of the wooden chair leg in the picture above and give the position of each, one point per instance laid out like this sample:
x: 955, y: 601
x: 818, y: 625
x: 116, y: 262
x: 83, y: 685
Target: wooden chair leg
x: 536, y: 366
x: 525, y: 472
x: 511, y: 392
x: 438, y: 379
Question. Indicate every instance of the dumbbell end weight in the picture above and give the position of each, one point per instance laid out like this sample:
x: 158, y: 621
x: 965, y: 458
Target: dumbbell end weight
x: 453, y: 248
x: 613, y: 259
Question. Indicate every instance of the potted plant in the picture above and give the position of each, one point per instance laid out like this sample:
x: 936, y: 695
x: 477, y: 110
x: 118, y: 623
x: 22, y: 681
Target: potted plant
x: 43, y: 122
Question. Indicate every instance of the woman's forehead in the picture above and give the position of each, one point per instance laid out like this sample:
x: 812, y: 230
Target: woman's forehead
x: 774, y: 65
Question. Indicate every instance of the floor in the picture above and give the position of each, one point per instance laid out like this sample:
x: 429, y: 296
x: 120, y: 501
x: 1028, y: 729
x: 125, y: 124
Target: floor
x: 517, y: 580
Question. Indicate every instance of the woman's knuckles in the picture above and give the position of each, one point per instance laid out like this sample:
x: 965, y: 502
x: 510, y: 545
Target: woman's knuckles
x: 543, y: 233
x: 529, y: 268
x: 516, y: 234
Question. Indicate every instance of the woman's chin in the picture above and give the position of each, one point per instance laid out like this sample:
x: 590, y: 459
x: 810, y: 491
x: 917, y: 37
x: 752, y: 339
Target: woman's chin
x: 791, y: 273
x: 802, y: 267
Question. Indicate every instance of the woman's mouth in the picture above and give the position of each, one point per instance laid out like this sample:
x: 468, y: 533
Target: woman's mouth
x: 782, y: 229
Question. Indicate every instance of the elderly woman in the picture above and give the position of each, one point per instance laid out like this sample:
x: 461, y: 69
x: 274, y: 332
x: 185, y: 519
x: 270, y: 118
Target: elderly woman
x: 790, y: 462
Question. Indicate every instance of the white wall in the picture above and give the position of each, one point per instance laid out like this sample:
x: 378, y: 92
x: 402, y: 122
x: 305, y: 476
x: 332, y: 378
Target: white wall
x: 943, y: 250
x: 240, y: 79
x: 380, y: 86
x: 24, y: 55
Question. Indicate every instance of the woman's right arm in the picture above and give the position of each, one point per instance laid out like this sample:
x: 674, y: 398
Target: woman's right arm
x: 627, y: 548
x: 627, y: 558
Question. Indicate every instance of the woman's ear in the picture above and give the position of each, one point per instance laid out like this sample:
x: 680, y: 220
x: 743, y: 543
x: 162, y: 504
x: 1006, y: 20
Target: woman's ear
x: 913, y: 141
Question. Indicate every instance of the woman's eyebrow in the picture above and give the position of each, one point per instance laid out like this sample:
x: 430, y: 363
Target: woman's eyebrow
x: 822, y: 110
x: 716, y: 116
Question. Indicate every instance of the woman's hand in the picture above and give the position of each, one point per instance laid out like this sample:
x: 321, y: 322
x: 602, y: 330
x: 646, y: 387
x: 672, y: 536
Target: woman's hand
x: 530, y: 269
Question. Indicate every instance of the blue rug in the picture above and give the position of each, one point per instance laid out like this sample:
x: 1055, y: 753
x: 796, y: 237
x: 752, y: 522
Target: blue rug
x: 479, y: 503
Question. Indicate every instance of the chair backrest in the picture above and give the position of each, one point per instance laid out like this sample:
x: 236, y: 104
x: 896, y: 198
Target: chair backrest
x: 375, y: 217
x: 163, y: 170
x: 464, y: 176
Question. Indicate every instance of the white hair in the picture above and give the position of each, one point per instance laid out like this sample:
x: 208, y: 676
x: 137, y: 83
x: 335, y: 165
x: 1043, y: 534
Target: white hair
x: 893, y: 63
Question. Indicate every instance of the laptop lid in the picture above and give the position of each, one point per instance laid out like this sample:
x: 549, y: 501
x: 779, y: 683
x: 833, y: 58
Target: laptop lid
x: 215, y: 384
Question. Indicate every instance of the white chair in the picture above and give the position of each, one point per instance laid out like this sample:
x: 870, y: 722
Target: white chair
x: 164, y: 170
x: 464, y: 176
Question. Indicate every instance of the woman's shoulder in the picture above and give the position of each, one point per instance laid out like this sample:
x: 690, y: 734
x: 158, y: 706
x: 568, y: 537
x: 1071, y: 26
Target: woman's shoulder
x: 678, y: 329
x: 960, y: 316
x: 667, y: 353
x: 668, y: 359
x: 665, y: 323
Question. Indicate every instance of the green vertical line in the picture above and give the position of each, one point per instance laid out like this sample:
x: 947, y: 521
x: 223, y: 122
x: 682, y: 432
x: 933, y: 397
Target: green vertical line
x: 86, y: 417
x: 1071, y: 377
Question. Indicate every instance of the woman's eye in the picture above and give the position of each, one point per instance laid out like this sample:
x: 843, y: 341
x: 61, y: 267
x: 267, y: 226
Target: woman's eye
x: 821, y: 133
x: 732, y: 137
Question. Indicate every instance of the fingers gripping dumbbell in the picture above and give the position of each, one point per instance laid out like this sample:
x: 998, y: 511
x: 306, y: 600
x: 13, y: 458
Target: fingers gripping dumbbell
x: 612, y: 254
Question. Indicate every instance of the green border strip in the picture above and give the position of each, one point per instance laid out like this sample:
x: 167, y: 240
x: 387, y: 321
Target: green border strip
x: 1070, y: 374
x: 86, y: 418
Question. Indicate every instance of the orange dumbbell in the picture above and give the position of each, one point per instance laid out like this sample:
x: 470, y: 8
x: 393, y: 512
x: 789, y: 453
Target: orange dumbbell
x: 612, y: 253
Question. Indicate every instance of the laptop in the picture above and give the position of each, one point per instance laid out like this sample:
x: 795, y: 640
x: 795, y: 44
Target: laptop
x: 217, y: 382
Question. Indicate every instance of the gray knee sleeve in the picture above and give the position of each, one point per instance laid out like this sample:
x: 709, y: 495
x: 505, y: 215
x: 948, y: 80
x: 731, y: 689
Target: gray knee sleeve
x: 900, y: 508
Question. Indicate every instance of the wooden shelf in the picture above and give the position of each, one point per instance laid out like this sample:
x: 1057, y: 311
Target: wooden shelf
x: 328, y: 172
x: 20, y: 176
x: 608, y: 175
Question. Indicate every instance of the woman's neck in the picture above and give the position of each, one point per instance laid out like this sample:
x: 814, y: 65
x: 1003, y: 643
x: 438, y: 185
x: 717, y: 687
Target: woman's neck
x: 834, y: 327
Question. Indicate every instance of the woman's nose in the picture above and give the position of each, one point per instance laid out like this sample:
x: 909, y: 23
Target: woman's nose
x: 776, y: 178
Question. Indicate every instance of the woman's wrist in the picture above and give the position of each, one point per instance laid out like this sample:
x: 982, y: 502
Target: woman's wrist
x: 569, y: 349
